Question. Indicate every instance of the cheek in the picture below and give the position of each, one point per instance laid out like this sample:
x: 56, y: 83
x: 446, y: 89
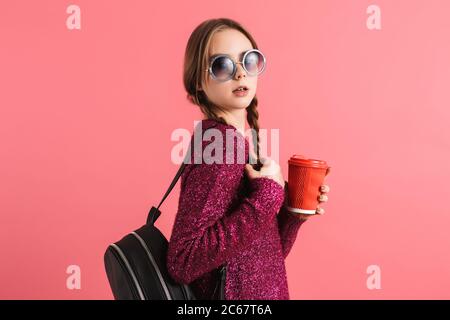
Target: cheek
x: 221, y: 89
x: 254, y: 85
x: 255, y: 82
x: 218, y: 92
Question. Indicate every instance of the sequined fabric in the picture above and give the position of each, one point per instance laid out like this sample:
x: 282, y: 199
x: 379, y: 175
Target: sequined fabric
x: 225, y: 218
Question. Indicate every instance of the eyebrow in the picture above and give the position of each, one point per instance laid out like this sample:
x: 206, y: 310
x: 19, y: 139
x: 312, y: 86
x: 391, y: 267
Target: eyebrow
x: 219, y: 54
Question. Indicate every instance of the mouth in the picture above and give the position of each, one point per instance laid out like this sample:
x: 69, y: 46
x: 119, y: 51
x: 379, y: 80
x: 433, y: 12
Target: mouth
x: 240, y: 89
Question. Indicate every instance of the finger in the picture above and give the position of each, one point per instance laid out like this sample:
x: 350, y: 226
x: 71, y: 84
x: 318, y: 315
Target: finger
x: 251, y: 172
x: 325, y: 188
x: 269, y: 168
x: 323, y: 198
x: 320, y: 210
x: 265, y: 161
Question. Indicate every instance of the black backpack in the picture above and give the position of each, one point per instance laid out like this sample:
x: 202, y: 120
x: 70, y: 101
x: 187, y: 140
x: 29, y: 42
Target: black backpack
x: 136, y: 264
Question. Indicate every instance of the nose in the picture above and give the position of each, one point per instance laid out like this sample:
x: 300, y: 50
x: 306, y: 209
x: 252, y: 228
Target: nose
x: 240, y: 72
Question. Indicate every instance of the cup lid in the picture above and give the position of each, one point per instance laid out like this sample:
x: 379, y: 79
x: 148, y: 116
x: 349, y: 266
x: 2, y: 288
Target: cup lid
x: 301, y: 160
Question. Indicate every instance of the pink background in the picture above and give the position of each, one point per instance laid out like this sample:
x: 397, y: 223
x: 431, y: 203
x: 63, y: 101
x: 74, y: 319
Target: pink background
x: 86, y: 117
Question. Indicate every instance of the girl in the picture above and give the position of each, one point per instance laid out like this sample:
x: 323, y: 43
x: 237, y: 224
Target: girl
x: 231, y: 214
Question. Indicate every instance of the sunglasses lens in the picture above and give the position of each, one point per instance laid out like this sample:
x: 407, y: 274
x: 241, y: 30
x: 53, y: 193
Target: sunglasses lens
x: 254, y: 62
x: 222, y: 68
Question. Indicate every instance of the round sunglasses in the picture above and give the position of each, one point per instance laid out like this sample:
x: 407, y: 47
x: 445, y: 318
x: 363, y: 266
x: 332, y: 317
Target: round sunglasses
x: 223, y: 68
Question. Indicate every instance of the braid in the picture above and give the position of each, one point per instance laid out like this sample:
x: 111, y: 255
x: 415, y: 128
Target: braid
x: 252, y: 119
x: 202, y: 101
x: 207, y: 109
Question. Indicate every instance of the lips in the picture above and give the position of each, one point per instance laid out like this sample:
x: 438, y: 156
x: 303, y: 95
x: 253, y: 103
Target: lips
x: 241, y: 89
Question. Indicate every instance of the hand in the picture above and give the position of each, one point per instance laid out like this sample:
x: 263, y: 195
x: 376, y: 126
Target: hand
x: 270, y: 169
x: 322, y: 197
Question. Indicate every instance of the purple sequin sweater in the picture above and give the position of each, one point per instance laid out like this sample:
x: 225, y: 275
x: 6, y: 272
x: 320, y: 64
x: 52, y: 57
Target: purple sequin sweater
x: 225, y: 218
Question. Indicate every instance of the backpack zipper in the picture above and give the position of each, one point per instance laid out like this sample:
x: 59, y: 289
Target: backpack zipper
x: 155, y: 266
x: 130, y: 271
x: 222, y: 282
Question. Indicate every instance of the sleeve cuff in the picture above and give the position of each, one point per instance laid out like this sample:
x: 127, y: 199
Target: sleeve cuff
x: 269, y: 192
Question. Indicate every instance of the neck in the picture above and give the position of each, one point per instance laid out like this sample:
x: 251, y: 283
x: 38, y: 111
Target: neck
x: 235, y: 118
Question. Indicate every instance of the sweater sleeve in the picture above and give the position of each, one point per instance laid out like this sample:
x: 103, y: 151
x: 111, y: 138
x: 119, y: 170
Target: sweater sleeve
x: 203, y: 236
x: 288, y: 226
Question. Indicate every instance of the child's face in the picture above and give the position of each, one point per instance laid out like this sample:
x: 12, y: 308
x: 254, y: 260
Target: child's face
x: 233, y: 43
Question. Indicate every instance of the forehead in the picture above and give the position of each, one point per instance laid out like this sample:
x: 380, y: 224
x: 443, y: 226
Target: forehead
x: 229, y: 41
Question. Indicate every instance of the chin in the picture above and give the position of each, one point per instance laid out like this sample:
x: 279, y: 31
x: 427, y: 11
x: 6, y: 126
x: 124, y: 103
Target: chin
x: 241, y: 105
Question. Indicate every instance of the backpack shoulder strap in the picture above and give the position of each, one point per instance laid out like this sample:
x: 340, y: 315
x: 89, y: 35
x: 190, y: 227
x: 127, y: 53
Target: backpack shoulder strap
x: 154, y: 213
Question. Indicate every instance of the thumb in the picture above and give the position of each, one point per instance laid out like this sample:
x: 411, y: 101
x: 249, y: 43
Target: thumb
x: 251, y: 173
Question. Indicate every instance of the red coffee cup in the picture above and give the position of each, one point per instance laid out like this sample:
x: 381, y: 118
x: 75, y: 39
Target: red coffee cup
x: 305, y: 176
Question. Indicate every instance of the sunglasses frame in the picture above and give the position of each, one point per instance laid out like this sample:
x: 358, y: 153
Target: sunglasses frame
x: 235, y: 65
